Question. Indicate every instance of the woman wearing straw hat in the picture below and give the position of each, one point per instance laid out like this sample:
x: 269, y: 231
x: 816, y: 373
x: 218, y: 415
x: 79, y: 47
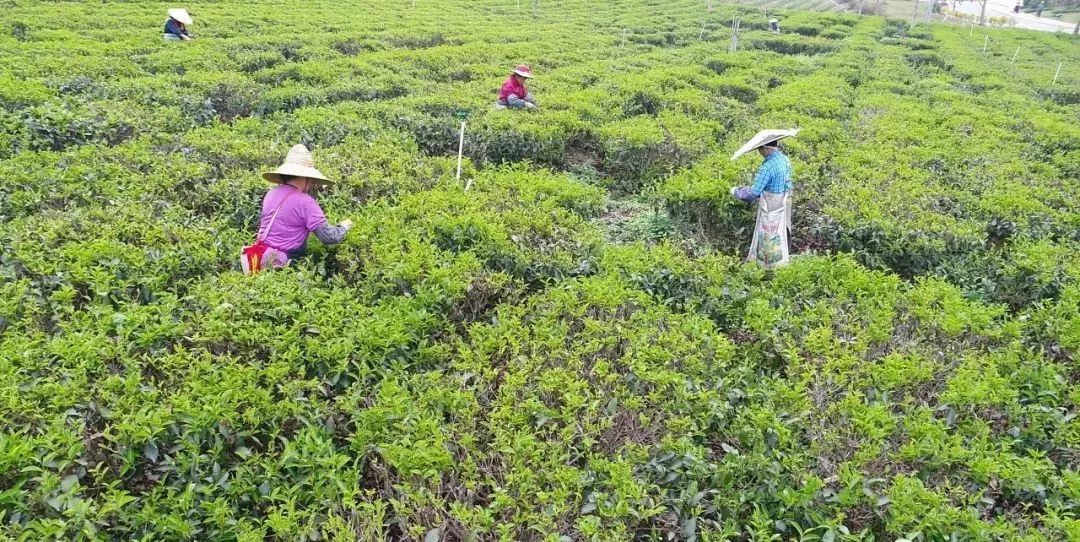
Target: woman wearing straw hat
x: 176, y: 25
x: 774, y: 25
x: 289, y: 213
x: 772, y: 192
x: 513, y: 93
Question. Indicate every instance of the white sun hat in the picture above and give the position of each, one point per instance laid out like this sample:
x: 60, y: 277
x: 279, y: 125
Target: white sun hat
x: 774, y: 20
x: 524, y: 70
x: 298, y: 163
x: 181, y: 15
x: 763, y: 137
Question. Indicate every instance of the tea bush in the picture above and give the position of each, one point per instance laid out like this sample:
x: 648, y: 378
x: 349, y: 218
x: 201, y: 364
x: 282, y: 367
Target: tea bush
x: 564, y: 344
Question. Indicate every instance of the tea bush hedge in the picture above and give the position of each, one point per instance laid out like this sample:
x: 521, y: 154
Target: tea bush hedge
x: 565, y: 343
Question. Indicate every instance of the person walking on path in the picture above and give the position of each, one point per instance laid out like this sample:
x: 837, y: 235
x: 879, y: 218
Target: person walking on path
x: 513, y: 93
x: 290, y: 213
x: 176, y: 25
x: 1039, y: 10
x: 771, y: 190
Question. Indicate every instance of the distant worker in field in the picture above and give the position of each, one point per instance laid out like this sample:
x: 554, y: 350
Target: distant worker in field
x: 513, y: 93
x: 771, y: 190
x: 774, y: 25
x: 176, y: 25
x: 290, y: 214
x: 1039, y: 10
x: 1016, y: 8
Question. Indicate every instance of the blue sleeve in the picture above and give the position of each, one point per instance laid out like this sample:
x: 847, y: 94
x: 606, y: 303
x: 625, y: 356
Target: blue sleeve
x: 331, y: 235
x: 761, y: 179
x: 742, y: 193
x: 514, y: 101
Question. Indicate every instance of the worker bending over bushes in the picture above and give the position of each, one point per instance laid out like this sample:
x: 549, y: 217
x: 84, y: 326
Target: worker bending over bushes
x: 772, y: 192
x: 290, y: 214
x: 176, y: 25
x: 513, y: 93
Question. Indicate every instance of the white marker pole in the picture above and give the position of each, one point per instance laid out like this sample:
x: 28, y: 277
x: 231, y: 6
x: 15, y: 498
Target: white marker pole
x: 460, y: 149
x: 702, y: 33
x: 1056, y: 74
x: 1016, y: 53
x: 986, y: 42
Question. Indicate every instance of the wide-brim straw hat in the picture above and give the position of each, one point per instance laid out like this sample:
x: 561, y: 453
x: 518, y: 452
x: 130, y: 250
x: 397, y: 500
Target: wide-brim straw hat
x: 524, y: 71
x: 298, y: 163
x: 181, y: 15
x: 762, y: 138
x: 774, y: 20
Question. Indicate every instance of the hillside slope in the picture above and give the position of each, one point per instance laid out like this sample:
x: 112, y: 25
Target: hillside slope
x: 572, y: 349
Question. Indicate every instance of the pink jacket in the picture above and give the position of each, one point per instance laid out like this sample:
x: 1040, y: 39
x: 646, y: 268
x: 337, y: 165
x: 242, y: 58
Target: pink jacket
x: 512, y: 86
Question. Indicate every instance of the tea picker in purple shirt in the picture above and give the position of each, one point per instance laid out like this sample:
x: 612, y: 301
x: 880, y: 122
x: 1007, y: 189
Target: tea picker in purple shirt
x: 290, y: 214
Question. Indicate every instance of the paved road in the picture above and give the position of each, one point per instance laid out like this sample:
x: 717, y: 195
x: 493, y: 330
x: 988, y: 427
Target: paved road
x: 1003, y: 8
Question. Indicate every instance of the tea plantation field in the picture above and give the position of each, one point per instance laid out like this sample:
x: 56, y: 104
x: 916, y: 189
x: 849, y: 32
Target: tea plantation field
x: 572, y: 349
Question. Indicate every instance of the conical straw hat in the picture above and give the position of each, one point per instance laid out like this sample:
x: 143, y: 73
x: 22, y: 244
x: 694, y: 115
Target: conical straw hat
x: 181, y: 15
x: 298, y: 163
x: 763, y: 137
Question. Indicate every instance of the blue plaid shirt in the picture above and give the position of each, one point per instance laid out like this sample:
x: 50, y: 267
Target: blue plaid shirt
x: 774, y: 175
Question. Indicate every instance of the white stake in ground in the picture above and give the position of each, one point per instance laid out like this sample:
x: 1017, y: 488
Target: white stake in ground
x: 735, y: 23
x: 986, y: 42
x: 1016, y: 53
x: 1056, y: 74
x: 461, y: 115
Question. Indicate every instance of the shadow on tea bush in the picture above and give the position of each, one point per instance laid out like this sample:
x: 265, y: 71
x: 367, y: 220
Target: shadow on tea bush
x: 788, y: 45
x: 1061, y: 96
x: 55, y: 128
x: 224, y: 103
